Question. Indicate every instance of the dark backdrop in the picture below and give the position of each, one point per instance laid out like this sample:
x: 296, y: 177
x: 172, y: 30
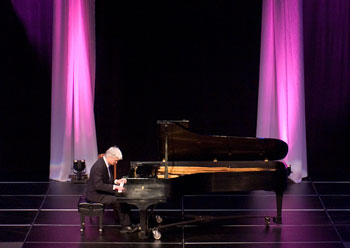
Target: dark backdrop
x: 327, y: 87
x: 25, y: 93
x: 165, y: 60
x: 196, y: 60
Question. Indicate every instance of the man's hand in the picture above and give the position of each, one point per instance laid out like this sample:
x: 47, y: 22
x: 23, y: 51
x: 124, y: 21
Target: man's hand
x: 118, y: 188
x: 120, y: 181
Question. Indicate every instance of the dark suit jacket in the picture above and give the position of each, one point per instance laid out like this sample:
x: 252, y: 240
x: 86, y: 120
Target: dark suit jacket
x: 99, y: 183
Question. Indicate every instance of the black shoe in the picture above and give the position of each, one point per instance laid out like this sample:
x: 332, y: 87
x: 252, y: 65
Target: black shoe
x: 129, y: 229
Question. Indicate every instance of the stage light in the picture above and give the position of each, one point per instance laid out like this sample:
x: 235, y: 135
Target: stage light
x: 79, y: 170
x: 79, y: 166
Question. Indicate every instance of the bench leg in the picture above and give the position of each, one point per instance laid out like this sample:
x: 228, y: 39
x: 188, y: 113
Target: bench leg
x: 100, y: 219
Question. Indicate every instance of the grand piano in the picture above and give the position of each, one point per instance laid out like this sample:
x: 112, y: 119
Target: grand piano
x: 193, y: 163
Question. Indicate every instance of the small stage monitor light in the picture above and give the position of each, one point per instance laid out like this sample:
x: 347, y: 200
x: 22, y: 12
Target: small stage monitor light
x: 79, y: 169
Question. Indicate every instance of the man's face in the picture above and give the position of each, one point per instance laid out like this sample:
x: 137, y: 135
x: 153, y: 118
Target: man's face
x: 112, y: 160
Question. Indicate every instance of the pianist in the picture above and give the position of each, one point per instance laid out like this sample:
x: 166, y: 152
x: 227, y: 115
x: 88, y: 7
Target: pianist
x: 101, y: 187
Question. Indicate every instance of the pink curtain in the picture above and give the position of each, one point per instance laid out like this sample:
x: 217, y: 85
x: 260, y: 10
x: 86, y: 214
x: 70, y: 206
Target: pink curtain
x: 73, y: 134
x: 281, y: 108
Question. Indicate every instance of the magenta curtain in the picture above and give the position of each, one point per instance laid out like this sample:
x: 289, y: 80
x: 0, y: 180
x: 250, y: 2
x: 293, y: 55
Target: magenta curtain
x: 281, y: 107
x: 73, y: 134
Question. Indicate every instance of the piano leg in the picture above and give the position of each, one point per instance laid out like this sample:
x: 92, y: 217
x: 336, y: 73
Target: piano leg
x: 143, y: 206
x: 279, y: 198
x: 143, y: 222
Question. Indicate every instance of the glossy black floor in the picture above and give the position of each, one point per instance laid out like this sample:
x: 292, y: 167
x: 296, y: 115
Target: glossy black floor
x: 315, y: 214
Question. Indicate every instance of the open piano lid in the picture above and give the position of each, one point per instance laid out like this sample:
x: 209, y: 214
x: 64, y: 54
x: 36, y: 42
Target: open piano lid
x: 184, y: 145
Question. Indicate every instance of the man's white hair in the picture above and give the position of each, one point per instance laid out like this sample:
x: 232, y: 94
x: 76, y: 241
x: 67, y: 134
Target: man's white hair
x: 114, y: 152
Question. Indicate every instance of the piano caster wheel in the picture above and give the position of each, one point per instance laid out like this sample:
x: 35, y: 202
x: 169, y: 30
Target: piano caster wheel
x: 159, y: 219
x: 267, y: 221
x: 156, y: 234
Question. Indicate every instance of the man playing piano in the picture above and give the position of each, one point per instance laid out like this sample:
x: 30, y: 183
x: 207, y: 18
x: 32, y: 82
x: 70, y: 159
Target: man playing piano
x: 101, y: 187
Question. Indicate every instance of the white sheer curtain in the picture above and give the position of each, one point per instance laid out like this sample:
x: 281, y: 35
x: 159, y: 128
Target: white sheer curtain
x: 73, y: 134
x: 281, y: 108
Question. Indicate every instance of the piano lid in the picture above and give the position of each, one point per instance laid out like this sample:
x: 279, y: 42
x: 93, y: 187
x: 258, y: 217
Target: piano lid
x: 184, y: 145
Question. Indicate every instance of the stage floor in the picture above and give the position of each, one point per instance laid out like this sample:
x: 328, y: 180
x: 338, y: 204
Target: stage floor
x: 44, y: 214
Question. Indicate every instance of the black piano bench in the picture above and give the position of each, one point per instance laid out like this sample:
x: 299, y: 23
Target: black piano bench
x: 87, y: 208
